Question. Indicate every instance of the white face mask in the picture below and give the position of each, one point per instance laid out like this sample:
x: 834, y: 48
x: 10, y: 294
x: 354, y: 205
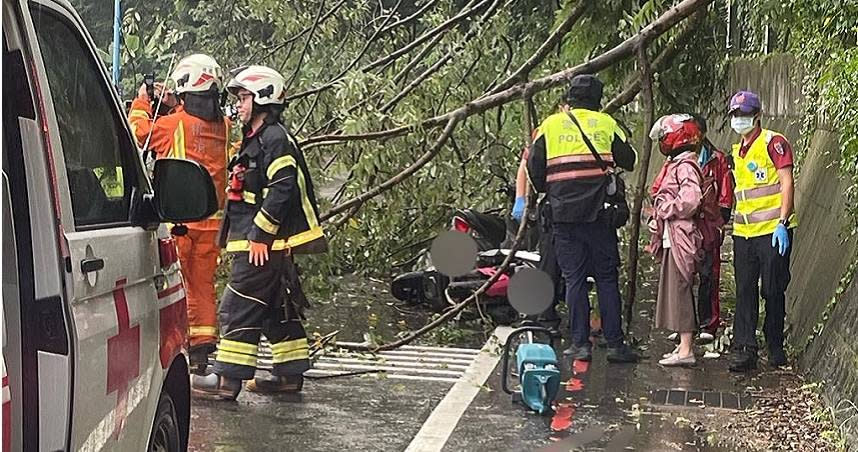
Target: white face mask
x: 742, y: 124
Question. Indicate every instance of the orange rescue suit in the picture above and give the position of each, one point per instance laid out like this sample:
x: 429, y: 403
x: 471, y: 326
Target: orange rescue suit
x: 182, y: 135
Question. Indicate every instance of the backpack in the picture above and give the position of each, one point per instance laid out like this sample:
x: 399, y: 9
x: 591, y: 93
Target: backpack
x: 707, y: 217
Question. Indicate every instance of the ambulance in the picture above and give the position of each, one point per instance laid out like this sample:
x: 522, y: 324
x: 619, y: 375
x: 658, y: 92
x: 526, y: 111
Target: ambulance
x: 94, y: 320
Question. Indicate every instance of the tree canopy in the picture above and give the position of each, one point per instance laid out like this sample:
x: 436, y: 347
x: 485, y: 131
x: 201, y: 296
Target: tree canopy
x: 357, y: 68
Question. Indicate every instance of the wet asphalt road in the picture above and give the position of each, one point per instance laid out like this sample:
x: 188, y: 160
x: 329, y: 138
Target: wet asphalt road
x: 341, y: 414
x: 601, y: 407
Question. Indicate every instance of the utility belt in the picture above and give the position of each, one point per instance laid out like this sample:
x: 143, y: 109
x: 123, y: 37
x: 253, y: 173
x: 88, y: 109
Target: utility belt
x: 616, y: 207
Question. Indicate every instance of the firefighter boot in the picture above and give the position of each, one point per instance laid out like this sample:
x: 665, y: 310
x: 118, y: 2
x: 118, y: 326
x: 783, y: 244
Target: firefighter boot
x: 199, y: 357
x: 276, y: 384
x: 215, y: 387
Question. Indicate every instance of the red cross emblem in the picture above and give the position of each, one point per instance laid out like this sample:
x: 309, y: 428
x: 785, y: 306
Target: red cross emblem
x: 123, y: 356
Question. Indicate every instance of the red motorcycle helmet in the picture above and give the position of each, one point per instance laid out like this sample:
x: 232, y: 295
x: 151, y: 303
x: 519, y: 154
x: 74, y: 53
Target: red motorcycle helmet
x: 676, y: 132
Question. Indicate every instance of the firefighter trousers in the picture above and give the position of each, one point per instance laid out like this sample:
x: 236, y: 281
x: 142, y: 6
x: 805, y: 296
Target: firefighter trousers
x: 198, y: 254
x: 256, y: 301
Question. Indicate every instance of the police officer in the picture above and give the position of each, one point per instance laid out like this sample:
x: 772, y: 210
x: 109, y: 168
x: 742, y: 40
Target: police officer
x: 271, y: 214
x: 578, y: 179
x: 762, y: 231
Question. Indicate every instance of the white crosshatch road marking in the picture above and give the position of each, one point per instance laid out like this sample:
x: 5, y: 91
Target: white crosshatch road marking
x: 410, y: 362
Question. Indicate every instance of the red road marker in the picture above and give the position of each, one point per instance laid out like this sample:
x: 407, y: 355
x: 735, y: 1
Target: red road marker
x: 562, y: 419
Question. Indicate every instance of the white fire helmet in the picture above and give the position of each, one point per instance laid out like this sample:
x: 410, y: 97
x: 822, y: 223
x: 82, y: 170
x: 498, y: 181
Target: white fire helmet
x: 197, y: 73
x: 266, y: 84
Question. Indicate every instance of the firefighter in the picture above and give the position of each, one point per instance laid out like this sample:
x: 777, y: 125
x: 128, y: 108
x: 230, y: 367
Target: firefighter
x: 271, y: 213
x: 716, y: 174
x: 195, y: 129
x: 763, y: 227
x: 572, y: 159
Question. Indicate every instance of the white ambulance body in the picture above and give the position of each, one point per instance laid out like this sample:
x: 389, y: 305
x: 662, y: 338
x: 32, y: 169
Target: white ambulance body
x: 94, y: 312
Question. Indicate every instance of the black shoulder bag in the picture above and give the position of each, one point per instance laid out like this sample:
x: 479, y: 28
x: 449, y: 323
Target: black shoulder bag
x: 618, y: 210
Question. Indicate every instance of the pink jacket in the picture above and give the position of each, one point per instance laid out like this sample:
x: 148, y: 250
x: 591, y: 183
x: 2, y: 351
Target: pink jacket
x: 675, y: 203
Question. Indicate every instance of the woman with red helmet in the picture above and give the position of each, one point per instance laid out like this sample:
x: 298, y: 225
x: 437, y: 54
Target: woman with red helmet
x: 676, y: 238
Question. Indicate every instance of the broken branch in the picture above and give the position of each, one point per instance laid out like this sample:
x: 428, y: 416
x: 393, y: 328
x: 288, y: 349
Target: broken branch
x: 524, y: 70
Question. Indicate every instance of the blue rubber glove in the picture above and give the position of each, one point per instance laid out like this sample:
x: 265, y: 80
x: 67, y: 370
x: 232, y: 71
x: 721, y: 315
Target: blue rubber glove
x: 780, y: 239
x: 518, y: 208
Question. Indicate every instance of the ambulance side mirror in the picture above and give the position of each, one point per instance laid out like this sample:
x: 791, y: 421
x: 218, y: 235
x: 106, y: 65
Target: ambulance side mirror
x: 184, y: 191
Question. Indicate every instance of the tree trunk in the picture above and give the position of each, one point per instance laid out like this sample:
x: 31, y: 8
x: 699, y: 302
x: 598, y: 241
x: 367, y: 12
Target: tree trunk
x: 640, y: 186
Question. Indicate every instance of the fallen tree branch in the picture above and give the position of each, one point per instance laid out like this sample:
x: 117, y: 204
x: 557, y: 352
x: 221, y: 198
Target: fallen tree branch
x: 565, y: 27
x: 506, y: 65
x: 412, y: 17
x: 417, y: 59
x: 474, y: 297
x: 449, y: 23
x: 660, y: 62
x: 473, y: 32
x: 348, y: 67
x: 272, y: 49
x: 459, y: 307
x: 346, y: 217
x: 621, y: 51
x: 607, y: 59
x: 306, y: 46
x: 393, y: 56
x: 388, y: 184
x: 307, y: 116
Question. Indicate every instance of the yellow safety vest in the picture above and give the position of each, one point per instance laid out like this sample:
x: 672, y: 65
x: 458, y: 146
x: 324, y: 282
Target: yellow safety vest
x: 567, y: 154
x: 758, y: 190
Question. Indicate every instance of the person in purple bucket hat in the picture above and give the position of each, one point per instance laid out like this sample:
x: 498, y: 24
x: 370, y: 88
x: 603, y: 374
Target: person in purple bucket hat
x: 762, y: 231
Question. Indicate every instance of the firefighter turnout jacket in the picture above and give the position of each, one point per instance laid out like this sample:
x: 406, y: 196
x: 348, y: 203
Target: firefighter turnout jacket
x: 271, y: 196
x: 183, y: 135
x: 561, y: 164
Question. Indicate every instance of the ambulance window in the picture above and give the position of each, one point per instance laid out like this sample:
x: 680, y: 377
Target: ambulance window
x: 96, y: 147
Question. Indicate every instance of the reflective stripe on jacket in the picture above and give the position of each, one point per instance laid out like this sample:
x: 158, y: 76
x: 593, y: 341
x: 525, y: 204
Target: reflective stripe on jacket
x: 183, y: 135
x: 758, y: 190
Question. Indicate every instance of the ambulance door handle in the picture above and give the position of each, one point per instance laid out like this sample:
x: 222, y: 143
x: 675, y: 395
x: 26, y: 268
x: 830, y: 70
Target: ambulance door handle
x: 91, y: 264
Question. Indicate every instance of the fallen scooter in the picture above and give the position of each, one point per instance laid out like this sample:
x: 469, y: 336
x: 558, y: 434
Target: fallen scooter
x: 433, y: 289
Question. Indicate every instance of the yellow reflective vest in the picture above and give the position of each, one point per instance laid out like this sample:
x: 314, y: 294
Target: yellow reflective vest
x: 568, y: 156
x: 758, y: 190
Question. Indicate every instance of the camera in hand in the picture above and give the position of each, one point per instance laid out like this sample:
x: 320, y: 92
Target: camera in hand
x: 161, y: 110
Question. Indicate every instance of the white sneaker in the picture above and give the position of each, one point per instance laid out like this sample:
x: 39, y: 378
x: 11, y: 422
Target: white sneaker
x: 669, y: 354
x: 705, y: 337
